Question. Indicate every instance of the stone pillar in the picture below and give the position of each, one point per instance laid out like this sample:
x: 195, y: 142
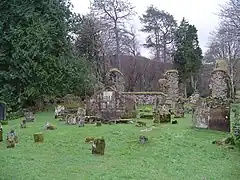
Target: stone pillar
x: 220, y: 84
x: 172, y: 79
x: 115, y: 79
x: 163, y: 85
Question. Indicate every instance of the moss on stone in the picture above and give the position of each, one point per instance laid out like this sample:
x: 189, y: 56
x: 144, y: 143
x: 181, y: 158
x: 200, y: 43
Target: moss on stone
x: 98, y: 146
x: 116, y: 70
x: 171, y: 71
x: 38, y: 137
x: 144, y: 93
x: 162, y: 80
x: 221, y: 64
x: 128, y: 115
x: 219, y: 69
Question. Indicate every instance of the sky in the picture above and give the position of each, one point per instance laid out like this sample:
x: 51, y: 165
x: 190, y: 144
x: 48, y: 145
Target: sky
x: 201, y: 13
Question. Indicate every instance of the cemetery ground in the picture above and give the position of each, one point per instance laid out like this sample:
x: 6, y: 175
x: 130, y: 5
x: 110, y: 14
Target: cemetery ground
x: 174, y: 151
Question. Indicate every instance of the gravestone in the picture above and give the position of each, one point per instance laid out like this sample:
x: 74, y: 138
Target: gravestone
x: 12, y: 139
x: 98, y: 146
x: 29, y: 116
x: 2, y: 111
x: 179, y: 108
x: 200, y: 115
x: 1, y: 133
x: 220, y: 118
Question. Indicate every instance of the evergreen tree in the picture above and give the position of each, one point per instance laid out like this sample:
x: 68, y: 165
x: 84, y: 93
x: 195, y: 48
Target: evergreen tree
x: 36, y: 59
x: 188, y: 55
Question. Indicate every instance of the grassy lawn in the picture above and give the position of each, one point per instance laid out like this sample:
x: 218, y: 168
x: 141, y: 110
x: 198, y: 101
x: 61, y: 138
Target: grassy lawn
x: 173, y: 152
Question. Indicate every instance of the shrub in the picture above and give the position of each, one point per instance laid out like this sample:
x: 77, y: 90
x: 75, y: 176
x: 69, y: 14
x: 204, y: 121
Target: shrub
x: 4, y: 122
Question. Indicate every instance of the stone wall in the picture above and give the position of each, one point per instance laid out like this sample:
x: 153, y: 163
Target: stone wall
x: 145, y: 98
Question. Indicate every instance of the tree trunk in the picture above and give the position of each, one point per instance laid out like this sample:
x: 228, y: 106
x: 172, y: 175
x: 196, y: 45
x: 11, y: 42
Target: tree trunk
x: 192, y: 81
x: 185, y: 89
x: 232, y: 80
x: 38, y: 137
x: 157, y: 43
x: 98, y: 146
x: 164, y: 51
x: 117, y: 47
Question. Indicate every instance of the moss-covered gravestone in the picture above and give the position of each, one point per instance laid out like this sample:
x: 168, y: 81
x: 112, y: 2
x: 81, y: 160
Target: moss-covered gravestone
x: 11, y: 142
x: 98, y: 123
x: 98, y: 146
x: 12, y: 139
x: 38, y: 137
x: 23, y: 124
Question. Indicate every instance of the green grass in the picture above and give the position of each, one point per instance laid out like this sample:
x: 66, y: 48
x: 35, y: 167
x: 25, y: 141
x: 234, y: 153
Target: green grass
x: 173, y: 152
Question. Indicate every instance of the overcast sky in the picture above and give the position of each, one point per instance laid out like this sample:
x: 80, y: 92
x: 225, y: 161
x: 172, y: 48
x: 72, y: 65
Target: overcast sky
x: 201, y: 13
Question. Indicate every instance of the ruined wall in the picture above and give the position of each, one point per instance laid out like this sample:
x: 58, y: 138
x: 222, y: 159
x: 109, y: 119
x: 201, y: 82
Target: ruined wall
x: 109, y: 104
x: 220, y: 86
x: 115, y: 80
x: 145, y: 98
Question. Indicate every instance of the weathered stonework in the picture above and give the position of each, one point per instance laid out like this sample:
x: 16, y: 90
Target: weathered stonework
x: 161, y: 112
x: 163, y: 85
x: 179, y: 108
x: 109, y: 104
x: 220, y: 84
x: 71, y: 99
x: 172, y: 79
x: 29, y: 116
x: 200, y: 116
x: 194, y: 97
x: 212, y: 114
x: 144, y: 98
x: 221, y: 65
x: 214, y: 111
x: 162, y: 115
x: 159, y: 102
x: 115, y: 80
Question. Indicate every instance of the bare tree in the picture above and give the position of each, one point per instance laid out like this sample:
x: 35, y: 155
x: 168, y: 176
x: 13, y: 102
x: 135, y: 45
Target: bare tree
x: 230, y: 16
x: 114, y: 13
x: 130, y: 44
x: 225, y: 45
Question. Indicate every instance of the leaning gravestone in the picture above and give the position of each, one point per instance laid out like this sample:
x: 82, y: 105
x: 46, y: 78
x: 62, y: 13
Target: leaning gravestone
x: 179, y: 108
